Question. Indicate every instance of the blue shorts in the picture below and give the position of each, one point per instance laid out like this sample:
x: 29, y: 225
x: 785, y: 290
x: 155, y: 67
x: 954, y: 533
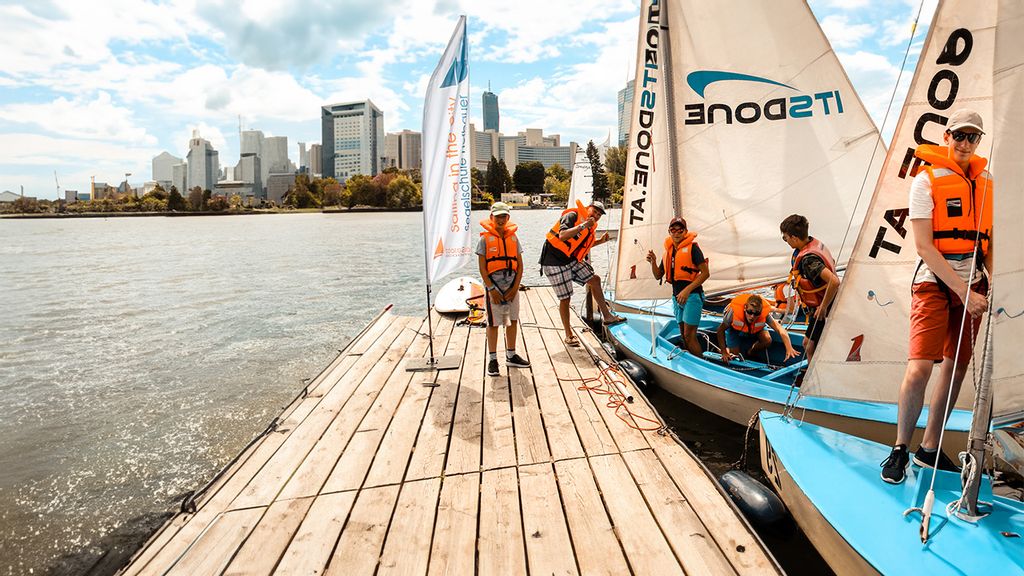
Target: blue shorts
x: 739, y: 341
x: 689, y: 314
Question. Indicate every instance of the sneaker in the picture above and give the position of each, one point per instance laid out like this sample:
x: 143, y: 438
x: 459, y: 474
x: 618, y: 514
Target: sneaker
x: 492, y: 368
x: 894, y: 468
x: 927, y: 460
x: 517, y: 361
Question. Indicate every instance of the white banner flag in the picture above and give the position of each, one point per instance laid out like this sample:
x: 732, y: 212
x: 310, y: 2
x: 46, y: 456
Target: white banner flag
x: 447, y: 184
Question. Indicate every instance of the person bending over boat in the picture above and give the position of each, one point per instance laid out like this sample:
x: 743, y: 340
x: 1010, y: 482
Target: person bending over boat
x: 812, y: 273
x: 501, y: 267
x: 563, y: 260
x: 744, y: 329
x: 685, y: 266
x: 951, y: 215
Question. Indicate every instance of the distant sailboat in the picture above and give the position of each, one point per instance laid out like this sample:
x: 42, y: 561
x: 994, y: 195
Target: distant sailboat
x: 734, y: 132
x: 829, y: 480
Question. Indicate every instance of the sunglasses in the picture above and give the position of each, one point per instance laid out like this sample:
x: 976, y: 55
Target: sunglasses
x: 749, y: 312
x: 959, y: 136
x: 676, y: 230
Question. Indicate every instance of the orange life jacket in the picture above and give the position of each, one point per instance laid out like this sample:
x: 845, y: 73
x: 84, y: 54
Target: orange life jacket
x: 501, y: 251
x: 678, y: 260
x: 962, y: 218
x: 579, y: 245
x: 739, y: 316
x: 810, y: 295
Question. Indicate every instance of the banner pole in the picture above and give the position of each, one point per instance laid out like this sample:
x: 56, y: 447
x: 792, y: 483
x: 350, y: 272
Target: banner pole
x: 430, y: 328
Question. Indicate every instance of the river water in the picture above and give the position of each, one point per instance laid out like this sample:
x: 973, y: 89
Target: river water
x: 138, y: 355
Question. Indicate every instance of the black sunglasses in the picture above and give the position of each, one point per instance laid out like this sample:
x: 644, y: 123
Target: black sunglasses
x: 959, y: 136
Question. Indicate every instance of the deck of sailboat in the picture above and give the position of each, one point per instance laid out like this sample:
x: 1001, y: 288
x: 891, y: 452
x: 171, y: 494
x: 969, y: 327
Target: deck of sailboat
x: 380, y: 470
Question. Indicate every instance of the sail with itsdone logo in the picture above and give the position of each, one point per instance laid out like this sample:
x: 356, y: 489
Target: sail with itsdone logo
x: 734, y: 132
x: 940, y: 522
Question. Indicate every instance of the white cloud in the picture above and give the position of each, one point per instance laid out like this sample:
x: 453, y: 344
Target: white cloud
x: 97, y: 118
x: 842, y: 34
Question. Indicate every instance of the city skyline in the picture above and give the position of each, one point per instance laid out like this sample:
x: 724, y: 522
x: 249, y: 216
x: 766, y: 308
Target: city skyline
x: 130, y: 80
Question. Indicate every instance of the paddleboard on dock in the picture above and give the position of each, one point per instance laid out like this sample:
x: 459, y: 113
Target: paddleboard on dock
x: 458, y: 294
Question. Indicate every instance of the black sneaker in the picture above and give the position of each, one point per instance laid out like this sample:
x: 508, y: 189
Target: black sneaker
x: 492, y: 368
x: 517, y: 361
x: 927, y: 460
x: 894, y: 468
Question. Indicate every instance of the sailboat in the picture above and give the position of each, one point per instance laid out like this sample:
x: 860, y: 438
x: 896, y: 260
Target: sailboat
x: 947, y: 523
x: 734, y: 132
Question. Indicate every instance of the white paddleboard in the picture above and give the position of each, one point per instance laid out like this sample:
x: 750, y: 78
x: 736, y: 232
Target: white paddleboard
x: 451, y: 298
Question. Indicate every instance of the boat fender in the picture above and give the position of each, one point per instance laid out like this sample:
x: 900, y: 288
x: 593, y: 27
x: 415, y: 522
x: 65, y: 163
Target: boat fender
x: 759, y: 504
x: 636, y: 372
x: 610, y: 350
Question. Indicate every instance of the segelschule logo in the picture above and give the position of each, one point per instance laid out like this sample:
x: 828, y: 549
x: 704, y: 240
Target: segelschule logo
x: 798, y: 106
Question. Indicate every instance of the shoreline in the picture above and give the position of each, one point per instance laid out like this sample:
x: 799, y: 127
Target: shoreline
x: 331, y: 210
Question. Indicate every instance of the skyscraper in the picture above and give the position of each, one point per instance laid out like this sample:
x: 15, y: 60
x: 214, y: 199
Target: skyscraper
x: 490, y: 106
x: 203, y: 163
x: 353, y: 139
x: 404, y: 150
x: 316, y: 159
x: 625, y: 109
x: 163, y: 168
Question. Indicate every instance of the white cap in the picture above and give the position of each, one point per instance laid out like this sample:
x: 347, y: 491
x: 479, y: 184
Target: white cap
x: 965, y: 118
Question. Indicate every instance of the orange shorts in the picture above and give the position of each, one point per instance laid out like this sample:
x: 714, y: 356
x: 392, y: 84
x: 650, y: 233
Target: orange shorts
x: 935, y: 321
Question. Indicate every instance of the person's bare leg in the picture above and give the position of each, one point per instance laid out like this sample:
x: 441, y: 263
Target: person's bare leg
x: 911, y: 398
x: 937, y: 412
x: 764, y: 340
x: 510, y: 335
x: 563, y: 311
x: 492, y: 339
x: 595, y: 289
x: 690, y: 339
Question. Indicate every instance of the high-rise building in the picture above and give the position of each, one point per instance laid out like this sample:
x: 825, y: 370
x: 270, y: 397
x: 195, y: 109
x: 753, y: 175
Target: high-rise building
x: 392, y: 141
x: 252, y: 143
x: 203, y: 163
x: 179, y: 178
x: 625, y: 109
x: 303, y: 157
x: 316, y: 160
x: 249, y: 171
x: 353, y: 139
x: 163, y: 168
x: 404, y: 150
x: 490, y: 108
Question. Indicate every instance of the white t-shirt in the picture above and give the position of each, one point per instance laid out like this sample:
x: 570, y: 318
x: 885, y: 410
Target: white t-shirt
x: 921, y: 207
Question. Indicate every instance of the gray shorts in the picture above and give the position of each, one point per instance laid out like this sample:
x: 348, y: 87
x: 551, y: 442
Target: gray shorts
x: 562, y: 277
x: 502, y: 314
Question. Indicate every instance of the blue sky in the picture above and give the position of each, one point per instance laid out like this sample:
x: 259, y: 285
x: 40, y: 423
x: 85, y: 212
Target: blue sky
x: 99, y: 88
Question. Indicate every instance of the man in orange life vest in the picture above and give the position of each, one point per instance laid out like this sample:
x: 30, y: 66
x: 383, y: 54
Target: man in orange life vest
x: 813, y: 274
x: 563, y: 261
x: 744, y: 328
x: 501, y: 267
x: 686, y: 268
x: 951, y: 215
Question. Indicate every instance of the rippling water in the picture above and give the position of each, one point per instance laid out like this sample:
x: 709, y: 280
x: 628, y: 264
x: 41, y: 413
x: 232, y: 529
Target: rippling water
x: 138, y: 355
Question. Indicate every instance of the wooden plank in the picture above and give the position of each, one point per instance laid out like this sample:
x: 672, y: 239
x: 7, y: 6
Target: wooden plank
x: 213, y: 549
x: 372, y: 334
x: 501, y: 525
x: 597, y: 547
x: 336, y: 416
x: 689, y: 538
x: 407, y: 547
x: 454, y: 547
x: 531, y: 438
x: 317, y: 388
x: 499, y: 441
x: 590, y: 425
x: 163, y: 552
x: 310, y: 550
x: 397, y: 441
x: 340, y: 460
x: 430, y: 451
x: 465, y: 442
x: 646, y: 548
x: 743, y: 550
x: 563, y: 440
x: 548, y: 546
x: 263, y: 548
x: 359, y: 546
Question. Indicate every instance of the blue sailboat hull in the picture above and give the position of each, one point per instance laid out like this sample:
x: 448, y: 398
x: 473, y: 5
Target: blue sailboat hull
x: 830, y: 483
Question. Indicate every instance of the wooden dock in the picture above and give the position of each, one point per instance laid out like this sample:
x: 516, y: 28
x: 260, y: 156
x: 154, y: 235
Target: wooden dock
x: 378, y: 470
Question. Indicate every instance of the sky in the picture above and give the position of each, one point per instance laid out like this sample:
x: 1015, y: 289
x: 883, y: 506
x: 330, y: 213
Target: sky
x: 100, y: 88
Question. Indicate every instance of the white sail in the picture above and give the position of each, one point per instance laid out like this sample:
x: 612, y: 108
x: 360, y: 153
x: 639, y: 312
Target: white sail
x: 581, y: 185
x: 863, y: 352
x: 764, y: 122
x: 1008, y: 238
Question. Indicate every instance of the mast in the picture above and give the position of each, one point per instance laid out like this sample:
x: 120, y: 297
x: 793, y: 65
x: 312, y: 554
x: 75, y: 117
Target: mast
x: 673, y: 148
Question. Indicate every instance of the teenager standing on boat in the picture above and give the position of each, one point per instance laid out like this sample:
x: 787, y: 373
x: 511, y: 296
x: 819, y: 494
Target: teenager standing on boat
x: 563, y: 261
x: 501, y: 268
x: 685, y: 266
x: 951, y: 215
x: 813, y: 274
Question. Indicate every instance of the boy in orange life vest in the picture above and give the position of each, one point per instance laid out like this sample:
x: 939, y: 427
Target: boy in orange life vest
x: 951, y: 203
x: 501, y: 267
x: 686, y: 268
x: 813, y: 274
x: 743, y: 328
